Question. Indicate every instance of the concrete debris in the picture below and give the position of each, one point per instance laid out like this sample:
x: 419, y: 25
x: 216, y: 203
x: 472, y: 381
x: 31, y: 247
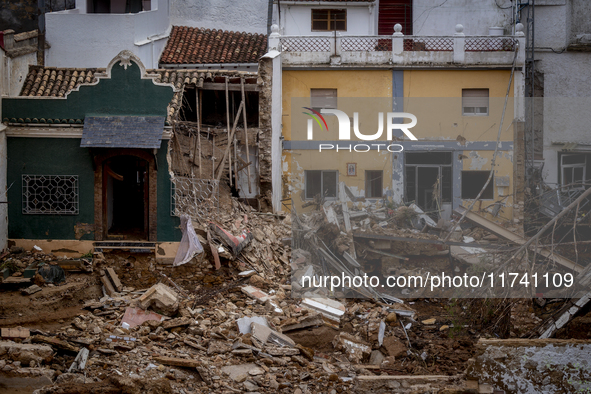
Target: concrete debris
x: 80, y: 361
x: 160, y: 298
x: 31, y: 290
x: 303, y: 322
x: 354, y: 348
x: 254, y: 325
x: 244, y: 323
x: 15, y: 333
x: 26, y: 353
x: 331, y: 309
x: 263, y: 334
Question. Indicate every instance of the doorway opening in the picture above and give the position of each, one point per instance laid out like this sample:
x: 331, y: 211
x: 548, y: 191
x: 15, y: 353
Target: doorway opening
x: 429, y: 182
x: 125, y: 188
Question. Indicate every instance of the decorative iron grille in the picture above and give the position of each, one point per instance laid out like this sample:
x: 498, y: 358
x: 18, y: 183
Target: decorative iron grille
x: 370, y: 44
x: 50, y: 195
x: 198, y: 198
x: 488, y: 44
x: 429, y: 44
x: 312, y: 44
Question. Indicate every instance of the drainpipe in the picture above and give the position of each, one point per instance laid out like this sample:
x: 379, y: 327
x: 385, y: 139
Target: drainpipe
x: 41, y: 34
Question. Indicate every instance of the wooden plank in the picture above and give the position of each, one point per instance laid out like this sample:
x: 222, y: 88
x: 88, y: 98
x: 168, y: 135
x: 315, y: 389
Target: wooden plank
x: 515, y: 238
x: 231, y: 87
x: 178, y: 362
x: 114, y: 278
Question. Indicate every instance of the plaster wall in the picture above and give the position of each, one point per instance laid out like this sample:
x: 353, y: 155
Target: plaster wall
x: 475, y: 15
x: 368, y: 84
x: 78, y: 39
x: 297, y: 20
x: 566, y: 103
x: 16, y: 71
x: 233, y: 15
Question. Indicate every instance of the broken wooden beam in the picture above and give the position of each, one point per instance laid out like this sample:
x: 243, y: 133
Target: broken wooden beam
x: 517, y: 239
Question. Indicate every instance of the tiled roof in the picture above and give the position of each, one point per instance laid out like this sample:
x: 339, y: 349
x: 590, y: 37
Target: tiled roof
x: 56, y: 82
x: 193, y: 45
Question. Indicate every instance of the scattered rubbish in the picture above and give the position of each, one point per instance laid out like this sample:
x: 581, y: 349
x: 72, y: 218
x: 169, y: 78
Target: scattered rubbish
x: 134, y: 317
x: 236, y: 244
x: 189, y: 245
x: 52, y: 273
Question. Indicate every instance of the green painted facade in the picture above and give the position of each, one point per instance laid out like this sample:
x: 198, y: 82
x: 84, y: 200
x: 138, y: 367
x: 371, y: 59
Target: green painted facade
x: 63, y: 156
x: 125, y: 94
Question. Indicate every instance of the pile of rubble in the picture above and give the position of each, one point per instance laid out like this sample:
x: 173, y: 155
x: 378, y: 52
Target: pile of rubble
x: 229, y: 319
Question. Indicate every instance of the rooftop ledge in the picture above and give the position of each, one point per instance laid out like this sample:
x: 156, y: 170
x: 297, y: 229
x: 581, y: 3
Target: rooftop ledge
x: 397, y: 49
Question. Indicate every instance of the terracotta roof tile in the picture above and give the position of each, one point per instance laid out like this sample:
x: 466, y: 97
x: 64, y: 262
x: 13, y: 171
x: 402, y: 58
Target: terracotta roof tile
x: 55, y: 82
x: 193, y: 45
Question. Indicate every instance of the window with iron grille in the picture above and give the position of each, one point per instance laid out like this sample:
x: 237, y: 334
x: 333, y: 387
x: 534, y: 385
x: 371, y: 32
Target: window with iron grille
x: 475, y: 102
x: 50, y: 194
x: 329, y: 20
x: 323, y: 183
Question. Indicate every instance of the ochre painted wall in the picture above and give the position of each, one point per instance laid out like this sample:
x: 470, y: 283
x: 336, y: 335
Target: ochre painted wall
x: 349, y: 85
x: 435, y: 97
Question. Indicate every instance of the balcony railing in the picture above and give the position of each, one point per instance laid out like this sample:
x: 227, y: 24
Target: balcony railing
x: 384, y: 44
x: 397, y: 48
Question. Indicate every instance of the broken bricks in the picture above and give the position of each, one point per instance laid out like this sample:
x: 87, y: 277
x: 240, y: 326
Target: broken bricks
x: 161, y: 298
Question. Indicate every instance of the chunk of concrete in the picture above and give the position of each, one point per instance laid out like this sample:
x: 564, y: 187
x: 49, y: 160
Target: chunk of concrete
x: 31, y: 290
x: 160, y: 298
x: 25, y: 353
x: 26, y: 379
x: 237, y: 372
x: 376, y: 357
x: 264, y: 334
x: 354, y: 348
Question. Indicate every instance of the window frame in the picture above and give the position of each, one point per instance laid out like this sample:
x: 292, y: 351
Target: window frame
x: 322, y: 172
x: 491, y: 185
x: 328, y: 19
x: 464, y: 113
x: 368, y: 181
x: 319, y: 107
x: 36, y: 197
x: 572, y: 166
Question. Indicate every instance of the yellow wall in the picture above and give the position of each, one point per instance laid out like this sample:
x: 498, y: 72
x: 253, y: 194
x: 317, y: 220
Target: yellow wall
x: 435, y: 98
x: 349, y: 84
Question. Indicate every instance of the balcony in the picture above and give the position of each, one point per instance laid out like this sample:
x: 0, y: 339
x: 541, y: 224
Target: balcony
x: 397, y: 49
